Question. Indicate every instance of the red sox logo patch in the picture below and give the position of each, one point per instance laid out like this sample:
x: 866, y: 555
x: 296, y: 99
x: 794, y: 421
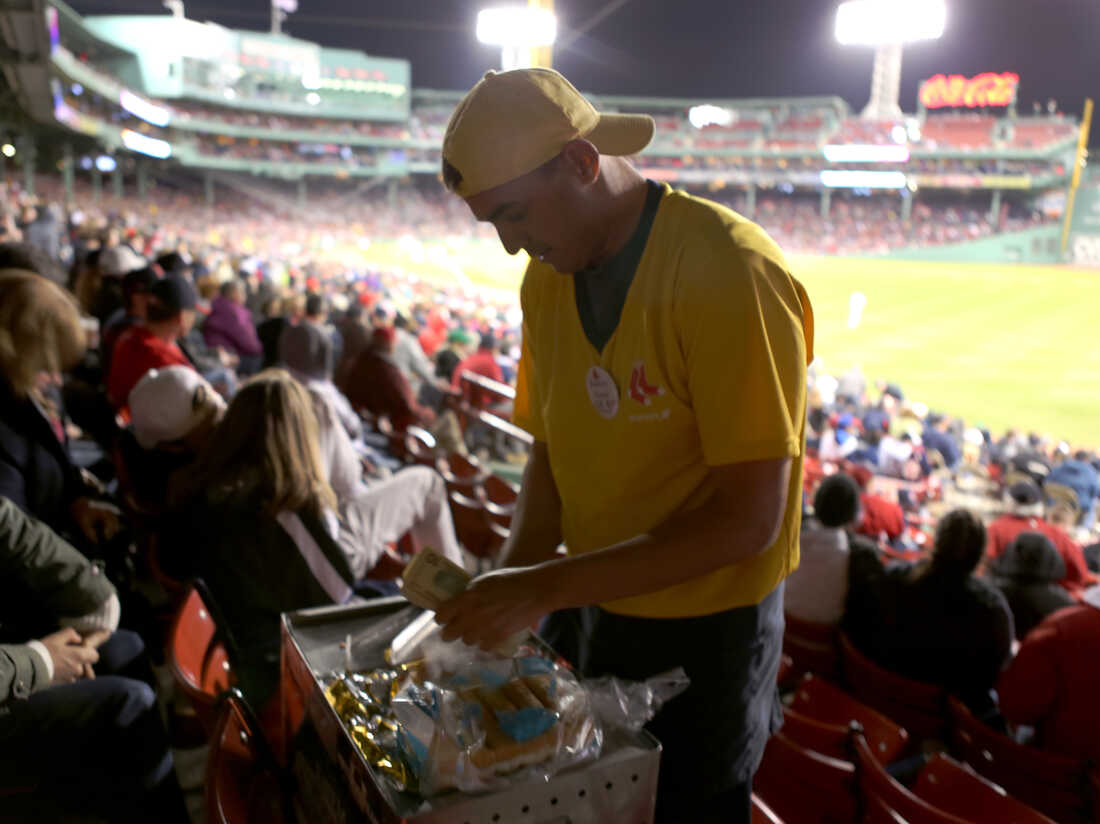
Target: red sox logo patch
x: 641, y: 389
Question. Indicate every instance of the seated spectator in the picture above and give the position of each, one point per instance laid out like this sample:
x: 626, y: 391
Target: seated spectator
x: 115, y: 263
x: 173, y: 412
x: 40, y: 337
x: 456, y: 350
x: 136, y: 287
x: 483, y: 362
x: 297, y: 345
x: 307, y: 355
x: 1025, y: 514
x: 1053, y: 681
x: 817, y: 590
x: 278, y: 315
x: 410, y: 357
x: 377, y: 386
x: 356, y: 336
x: 1027, y: 573
x: 85, y: 738
x: 171, y: 313
x: 934, y: 621
x: 882, y: 520
x: 229, y: 327
x: 14, y: 255
x: 936, y: 436
x: 258, y: 520
x: 316, y: 312
x: 1081, y: 476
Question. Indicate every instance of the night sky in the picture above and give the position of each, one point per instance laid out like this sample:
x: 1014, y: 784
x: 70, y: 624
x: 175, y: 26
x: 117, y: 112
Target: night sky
x: 703, y: 48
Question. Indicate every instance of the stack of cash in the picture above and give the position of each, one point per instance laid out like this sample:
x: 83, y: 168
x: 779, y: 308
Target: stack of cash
x: 430, y: 580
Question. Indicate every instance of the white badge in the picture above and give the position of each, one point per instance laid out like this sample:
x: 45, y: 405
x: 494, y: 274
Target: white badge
x: 602, y: 391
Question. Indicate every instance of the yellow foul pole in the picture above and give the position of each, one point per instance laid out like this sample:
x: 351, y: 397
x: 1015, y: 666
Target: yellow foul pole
x: 1078, y: 165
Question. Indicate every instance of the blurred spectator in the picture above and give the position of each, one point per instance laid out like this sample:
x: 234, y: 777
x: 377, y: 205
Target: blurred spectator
x: 409, y: 356
x: 356, y: 336
x: 32, y: 259
x: 483, y: 362
x: 817, y: 590
x: 1054, y: 679
x: 40, y: 337
x: 307, y: 355
x: 933, y: 621
x: 936, y: 436
x: 278, y: 315
x: 170, y: 315
x: 136, y: 287
x: 457, y: 349
x: 1025, y: 514
x: 114, y: 264
x: 377, y: 385
x: 1081, y: 476
x: 1028, y: 572
x: 882, y: 520
x: 173, y: 411
x: 229, y: 326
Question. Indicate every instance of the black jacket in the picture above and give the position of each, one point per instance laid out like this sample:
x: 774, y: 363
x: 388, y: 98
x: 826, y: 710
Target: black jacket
x: 1027, y: 573
x: 36, y: 472
x: 255, y: 572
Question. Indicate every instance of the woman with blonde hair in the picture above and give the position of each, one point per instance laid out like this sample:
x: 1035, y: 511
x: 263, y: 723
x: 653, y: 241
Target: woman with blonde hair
x: 41, y: 336
x: 256, y: 518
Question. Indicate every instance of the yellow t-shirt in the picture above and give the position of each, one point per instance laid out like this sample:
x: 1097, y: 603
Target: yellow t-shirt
x: 709, y: 361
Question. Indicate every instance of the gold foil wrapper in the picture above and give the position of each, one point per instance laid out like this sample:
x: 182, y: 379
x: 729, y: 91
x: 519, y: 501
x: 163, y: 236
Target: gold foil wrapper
x: 362, y: 703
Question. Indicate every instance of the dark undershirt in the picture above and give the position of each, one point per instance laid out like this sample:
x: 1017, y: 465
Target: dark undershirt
x: 601, y: 291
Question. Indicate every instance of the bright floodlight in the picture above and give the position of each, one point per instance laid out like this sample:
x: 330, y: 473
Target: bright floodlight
x: 877, y: 22
x: 517, y: 27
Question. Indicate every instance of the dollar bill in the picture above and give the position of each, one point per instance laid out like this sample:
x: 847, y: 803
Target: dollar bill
x: 430, y: 579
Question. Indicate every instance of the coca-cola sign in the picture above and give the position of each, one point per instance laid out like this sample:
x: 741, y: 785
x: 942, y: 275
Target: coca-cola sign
x: 986, y: 89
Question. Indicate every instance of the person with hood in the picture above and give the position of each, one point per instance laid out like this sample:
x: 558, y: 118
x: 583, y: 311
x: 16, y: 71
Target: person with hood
x: 1027, y: 573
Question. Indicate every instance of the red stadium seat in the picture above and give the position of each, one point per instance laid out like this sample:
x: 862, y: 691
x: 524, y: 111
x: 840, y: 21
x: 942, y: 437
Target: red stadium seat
x: 957, y: 789
x: 1053, y: 784
x: 1094, y: 794
x: 499, y: 497
x: 821, y: 702
x: 462, y: 473
x: 812, y: 647
x: 197, y: 656
x: 472, y: 525
x: 804, y: 786
x: 919, y: 707
x: 242, y: 777
x: 886, y: 800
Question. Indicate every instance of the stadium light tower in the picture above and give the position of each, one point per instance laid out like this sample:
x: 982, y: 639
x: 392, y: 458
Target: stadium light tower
x: 520, y: 31
x: 279, y: 10
x: 888, y: 25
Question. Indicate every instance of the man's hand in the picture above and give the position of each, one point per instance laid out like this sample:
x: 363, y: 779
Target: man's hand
x: 496, y: 606
x: 99, y: 521
x: 227, y: 358
x: 72, y: 655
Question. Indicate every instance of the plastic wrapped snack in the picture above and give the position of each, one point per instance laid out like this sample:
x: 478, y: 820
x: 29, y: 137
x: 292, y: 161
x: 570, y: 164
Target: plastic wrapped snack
x: 461, y: 718
x: 468, y: 726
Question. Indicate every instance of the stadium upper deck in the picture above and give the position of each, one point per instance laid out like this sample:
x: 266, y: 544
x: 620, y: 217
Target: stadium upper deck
x: 272, y: 104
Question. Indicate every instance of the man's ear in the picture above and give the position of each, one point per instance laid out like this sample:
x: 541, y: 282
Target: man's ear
x: 582, y: 159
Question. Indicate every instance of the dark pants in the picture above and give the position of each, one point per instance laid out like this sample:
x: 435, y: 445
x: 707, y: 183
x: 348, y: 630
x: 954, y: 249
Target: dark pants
x: 712, y: 735
x: 97, y: 745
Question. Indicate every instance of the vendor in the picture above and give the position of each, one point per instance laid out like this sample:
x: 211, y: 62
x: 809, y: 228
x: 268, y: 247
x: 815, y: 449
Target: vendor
x: 663, y: 377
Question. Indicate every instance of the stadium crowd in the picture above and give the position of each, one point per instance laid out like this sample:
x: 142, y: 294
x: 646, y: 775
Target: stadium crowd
x: 191, y: 391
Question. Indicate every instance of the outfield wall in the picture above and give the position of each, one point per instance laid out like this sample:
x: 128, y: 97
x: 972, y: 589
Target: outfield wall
x: 1038, y: 245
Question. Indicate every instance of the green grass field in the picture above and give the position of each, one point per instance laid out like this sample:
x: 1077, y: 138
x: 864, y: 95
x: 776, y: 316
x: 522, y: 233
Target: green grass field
x: 1001, y: 345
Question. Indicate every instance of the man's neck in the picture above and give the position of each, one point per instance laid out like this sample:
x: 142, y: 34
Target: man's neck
x: 625, y: 192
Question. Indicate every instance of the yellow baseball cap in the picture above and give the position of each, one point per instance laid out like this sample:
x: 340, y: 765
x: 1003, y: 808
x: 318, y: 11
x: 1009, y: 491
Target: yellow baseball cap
x: 512, y: 122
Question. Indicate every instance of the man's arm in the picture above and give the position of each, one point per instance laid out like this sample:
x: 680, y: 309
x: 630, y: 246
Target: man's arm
x: 741, y: 519
x: 536, y: 523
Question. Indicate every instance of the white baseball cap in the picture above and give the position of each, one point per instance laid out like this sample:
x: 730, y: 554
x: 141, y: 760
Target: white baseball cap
x: 168, y: 403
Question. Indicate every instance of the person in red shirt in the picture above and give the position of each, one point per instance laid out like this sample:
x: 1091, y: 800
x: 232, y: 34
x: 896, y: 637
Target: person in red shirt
x: 169, y: 316
x: 882, y: 520
x: 482, y: 362
x: 376, y: 384
x: 1053, y: 681
x: 1026, y: 515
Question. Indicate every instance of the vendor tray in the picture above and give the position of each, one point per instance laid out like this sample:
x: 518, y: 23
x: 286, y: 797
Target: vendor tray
x: 336, y: 784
